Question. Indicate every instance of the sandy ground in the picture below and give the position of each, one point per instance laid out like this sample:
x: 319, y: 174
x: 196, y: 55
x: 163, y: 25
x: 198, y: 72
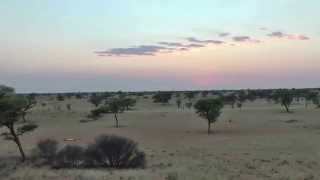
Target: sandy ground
x: 255, y: 143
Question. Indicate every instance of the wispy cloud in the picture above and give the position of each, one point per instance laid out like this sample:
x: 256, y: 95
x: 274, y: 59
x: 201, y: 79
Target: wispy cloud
x: 224, y: 34
x: 279, y: 34
x: 193, y: 42
x: 245, y: 39
x: 241, y: 38
x: 175, y: 44
x: 143, y: 50
x: 209, y: 41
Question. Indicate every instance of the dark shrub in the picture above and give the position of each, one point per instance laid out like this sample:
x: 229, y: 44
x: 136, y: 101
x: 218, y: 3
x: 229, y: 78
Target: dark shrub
x: 60, y: 97
x: 47, y: 149
x: 115, y: 152
x: 71, y: 156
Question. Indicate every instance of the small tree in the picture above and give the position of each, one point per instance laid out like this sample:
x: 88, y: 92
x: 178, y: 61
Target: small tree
x: 178, y: 101
x: 309, y: 96
x: 316, y: 101
x: 285, y: 97
x: 230, y: 99
x: 188, y: 105
x: 128, y: 103
x: 60, y: 97
x: 190, y: 95
x: 79, y: 95
x: 239, y: 105
x: 68, y: 107
x: 116, y: 106
x: 11, y: 111
x: 162, y: 97
x: 210, y: 109
x: 95, y: 100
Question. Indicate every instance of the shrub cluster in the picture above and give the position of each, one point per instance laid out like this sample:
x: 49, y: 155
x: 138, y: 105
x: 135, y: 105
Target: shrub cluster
x: 107, y: 151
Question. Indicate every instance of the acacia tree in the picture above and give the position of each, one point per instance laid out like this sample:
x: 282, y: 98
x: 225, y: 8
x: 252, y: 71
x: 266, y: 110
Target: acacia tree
x: 209, y: 109
x: 96, y: 100
x: 11, y: 112
x: 30, y: 103
x: 230, y: 99
x: 114, y: 106
x: 285, y: 98
x: 241, y: 99
x: 128, y: 103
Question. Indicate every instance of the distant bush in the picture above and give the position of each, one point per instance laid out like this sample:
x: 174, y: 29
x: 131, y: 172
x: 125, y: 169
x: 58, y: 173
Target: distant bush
x: 60, y: 97
x: 162, y: 97
x: 71, y: 156
x: 68, y: 107
x: 115, y: 152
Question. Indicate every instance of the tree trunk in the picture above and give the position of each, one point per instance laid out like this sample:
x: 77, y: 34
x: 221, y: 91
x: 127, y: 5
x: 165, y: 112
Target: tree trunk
x: 117, y: 122
x: 17, y: 141
x: 306, y: 104
x: 209, y: 127
x: 287, y: 108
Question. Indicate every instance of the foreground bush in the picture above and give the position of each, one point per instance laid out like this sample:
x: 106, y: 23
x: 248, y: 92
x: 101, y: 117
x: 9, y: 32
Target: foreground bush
x: 47, y: 149
x: 71, y: 156
x: 114, y: 152
x: 108, y: 151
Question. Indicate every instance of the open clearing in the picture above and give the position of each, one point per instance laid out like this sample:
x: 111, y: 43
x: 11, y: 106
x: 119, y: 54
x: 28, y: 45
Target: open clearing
x: 259, y: 142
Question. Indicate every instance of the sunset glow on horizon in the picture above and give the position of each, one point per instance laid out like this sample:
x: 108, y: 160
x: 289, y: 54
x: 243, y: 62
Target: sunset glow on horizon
x: 131, y: 45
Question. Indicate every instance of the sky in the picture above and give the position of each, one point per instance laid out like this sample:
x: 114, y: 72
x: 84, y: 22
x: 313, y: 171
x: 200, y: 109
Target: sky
x: 140, y: 45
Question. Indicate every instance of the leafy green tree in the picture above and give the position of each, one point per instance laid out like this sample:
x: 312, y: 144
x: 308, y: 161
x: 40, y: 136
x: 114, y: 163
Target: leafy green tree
x: 11, y: 111
x: 209, y: 109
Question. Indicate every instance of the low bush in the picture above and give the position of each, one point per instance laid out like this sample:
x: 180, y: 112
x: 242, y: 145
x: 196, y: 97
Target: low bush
x: 71, y: 156
x: 115, y: 152
x: 47, y: 149
x: 107, y: 151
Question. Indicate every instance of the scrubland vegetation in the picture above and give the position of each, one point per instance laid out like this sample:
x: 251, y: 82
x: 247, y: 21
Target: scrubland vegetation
x: 226, y: 134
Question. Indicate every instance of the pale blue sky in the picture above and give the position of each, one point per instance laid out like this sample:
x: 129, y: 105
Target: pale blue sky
x: 63, y: 33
